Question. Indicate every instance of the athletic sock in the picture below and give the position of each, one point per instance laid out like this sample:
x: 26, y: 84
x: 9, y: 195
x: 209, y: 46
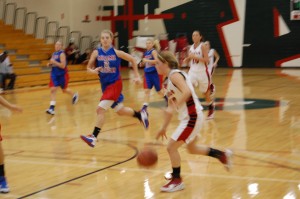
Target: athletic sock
x: 137, y: 115
x: 215, y: 153
x: 176, y: 172
x: 96, y: 131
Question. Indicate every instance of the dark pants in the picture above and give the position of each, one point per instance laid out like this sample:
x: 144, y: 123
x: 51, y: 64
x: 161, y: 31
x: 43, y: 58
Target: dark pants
x: 11, y: 84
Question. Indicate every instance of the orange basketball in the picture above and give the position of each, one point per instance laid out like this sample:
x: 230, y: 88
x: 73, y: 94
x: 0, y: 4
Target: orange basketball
x: 147, y: 157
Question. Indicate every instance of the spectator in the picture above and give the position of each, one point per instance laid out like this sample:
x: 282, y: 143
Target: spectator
x: 6, y: 70
x: 72, y: 53
x: 84, y: 58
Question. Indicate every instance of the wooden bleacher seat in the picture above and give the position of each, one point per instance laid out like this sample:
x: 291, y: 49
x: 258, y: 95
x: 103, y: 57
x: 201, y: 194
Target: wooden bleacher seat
x: 30, y: 56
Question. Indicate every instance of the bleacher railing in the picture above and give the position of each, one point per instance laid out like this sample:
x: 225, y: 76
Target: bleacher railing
x: 40, y: 28
x: 9, y: 13
x: 19, y: 19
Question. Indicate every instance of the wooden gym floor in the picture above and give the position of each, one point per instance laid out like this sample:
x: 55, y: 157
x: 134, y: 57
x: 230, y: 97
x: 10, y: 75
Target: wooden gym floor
x: 257, y: 116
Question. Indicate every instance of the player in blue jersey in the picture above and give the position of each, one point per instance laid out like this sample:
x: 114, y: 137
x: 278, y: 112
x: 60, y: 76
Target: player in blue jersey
x: 151, y: 77
x: 105, y: 61
x: 59, y: 77
x: 3, y: 183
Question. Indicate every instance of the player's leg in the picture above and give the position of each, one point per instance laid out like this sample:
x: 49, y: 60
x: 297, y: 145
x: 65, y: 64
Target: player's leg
x: 175, y: 183
x: 64, y: 81
x: 141, y: 115
x: 51, y: 109
x: 223, y: 156
x: 3, y: 184
x: 205, y: 82
x: 91, y: 139
x: 147, y: 88
x: 157, y: 82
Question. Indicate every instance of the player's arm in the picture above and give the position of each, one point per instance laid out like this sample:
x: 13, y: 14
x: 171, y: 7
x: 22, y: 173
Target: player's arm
x: 217, y: 57
x: 187, y: 59
x: 204, y: 57
x: 10, y: 106
x: 91, y: 64
x: 179, y: 81
x: 152, y: 62
x: 130, y: 59
x: 63, y: 61
x: 168, y: 113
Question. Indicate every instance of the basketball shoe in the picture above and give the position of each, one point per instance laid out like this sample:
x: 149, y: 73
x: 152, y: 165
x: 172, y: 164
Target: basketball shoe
x: 89, y: 139
x: 144, y: 118
x: 144, y: 108
x: 211, y: 112
x: 175, y: 184
x: 50, y: 111
x: 3, y: 185
x: 75, y: 98
x: 226, y: 159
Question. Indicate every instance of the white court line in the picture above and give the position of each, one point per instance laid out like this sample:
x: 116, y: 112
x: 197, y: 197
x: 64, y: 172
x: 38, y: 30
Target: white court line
x: 155, y: 171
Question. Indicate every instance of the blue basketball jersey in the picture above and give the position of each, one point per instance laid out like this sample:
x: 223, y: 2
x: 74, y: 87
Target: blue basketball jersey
x: 110, y: 65
x: 57, y: 71
x: 149, y: 67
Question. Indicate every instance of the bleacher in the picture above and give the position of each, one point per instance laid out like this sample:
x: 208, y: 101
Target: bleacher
x: 30, y: 56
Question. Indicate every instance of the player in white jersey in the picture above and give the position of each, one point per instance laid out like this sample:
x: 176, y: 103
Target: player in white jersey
x: 199, y: 73
x: 214, y: 57
x: 183, y: 99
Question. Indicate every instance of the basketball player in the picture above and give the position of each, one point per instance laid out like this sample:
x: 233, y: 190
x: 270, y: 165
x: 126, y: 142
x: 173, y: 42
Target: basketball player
x: 107, y: 60
x: 183, y: 99
x: 151, y: 76
x: 198, y: 73
x: 214, y: 57
x: 59, y: 77
x: 3, y: 184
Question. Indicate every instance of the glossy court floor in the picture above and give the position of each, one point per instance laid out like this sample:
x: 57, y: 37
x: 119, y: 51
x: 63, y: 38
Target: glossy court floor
x: 257, y: 116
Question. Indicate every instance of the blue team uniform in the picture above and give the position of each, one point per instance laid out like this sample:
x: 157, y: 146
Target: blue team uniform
x: 151, y: 76
x: 109, y: 75
x: 59, y: 76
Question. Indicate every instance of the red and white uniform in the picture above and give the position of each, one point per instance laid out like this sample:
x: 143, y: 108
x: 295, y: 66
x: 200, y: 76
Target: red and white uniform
x: 211, y: 57
x: 0, y: 134
x: 198, y: 73
x: 190, y: 113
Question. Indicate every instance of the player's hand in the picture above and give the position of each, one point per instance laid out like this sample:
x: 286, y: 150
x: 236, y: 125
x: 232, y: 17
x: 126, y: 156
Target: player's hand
x: 15, y: 108
x: 191, y: 56
x: 141, y: 64
x: 97, y: 69
x: 52, y: 61
x: 161, y: 134
x: 185, y: 60
x: 137, y: 80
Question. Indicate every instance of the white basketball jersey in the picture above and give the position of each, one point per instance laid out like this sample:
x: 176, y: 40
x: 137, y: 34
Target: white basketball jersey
x: 197, y: 66
x: 183, y: 111
x: 211, y: 58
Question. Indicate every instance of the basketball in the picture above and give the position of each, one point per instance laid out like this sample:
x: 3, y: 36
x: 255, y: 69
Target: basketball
x: 147, y: 157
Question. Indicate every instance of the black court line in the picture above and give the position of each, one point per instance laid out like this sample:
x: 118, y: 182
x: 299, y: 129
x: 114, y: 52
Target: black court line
x: 82, y: 176
x: 269, y: 162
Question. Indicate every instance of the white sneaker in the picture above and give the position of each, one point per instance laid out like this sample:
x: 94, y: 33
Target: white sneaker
x: 226, y: 159
x: 50, y: 111
x: 90, y: 140
x: 175, y: 184
x: 75, y: 98
x: 144, y: 118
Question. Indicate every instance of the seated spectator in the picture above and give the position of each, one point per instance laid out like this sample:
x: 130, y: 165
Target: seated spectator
x: 84, y: 58
x: 6, y: 70
x: 71, y: 53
